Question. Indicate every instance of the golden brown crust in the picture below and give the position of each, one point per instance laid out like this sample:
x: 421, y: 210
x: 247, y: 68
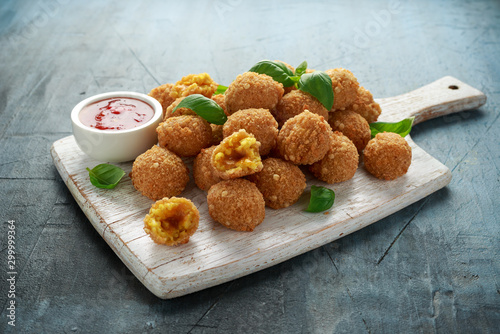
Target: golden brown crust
x: 387, y: 156
x: 280, y: 182
x: 296, y: 102
x: 345, y: 87
x: 236, y: 204
x: 184, y: 135
x: 340, y: 162
x: 172, y: 221
x: 304, y: 139
x: 258, y: 122
x: 169, y: 112
x: 366, y: 106
x: 162, y: 95
x: 159, y: 173
x: 252, y: 90
x: 220, y: 99
x: 352, y: 125
x: 237, y: 156
x: 204, y: 173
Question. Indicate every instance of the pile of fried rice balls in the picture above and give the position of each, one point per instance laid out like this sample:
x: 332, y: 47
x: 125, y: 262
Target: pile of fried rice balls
x: 258, y: 157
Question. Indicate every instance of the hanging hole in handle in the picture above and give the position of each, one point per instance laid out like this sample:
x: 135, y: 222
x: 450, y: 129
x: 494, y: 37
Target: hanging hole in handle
x: 454, y: 87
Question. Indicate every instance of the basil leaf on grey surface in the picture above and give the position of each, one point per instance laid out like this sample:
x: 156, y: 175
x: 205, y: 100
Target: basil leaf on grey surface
x: 301, y: 69
x: 276, y: 70
x: 319, y: 85
x: 321, y: 199
x: 105, y: 176
x: 220, y: 90
x: 402, y: 127
x: 203, y: 107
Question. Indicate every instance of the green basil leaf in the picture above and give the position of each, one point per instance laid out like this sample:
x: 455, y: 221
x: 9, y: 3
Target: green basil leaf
x: 301, y: 69
x: 203, y: 107
x: 402, y: 128
x: 220, y: 90
x: 321, y: 199
x: 276, y: 70
x: 105, y: 176
x: 319, y: 85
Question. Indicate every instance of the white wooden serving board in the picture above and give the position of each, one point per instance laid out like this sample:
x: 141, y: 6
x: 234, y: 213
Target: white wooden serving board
x: 216, y: 254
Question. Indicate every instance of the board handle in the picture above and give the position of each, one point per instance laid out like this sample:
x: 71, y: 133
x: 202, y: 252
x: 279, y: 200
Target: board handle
x: 442, y: 97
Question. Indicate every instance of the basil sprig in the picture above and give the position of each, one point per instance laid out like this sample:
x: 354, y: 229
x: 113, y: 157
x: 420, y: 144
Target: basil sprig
x: 203, y: 107
x: 105, y: 176
x: 321, y: 199
x: 220, y: 90
x: 276, y: 70
x: 319, y: 85
x: 402, y: 127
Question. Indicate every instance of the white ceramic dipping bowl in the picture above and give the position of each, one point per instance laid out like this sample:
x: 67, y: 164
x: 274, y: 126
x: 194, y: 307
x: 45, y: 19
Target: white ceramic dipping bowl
x: 116, y: 145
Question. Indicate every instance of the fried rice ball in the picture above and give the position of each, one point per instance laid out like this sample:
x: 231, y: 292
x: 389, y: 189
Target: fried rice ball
x: 194, y: 84
x: 352, y: 125
x: 159, y: 173
x: 366, y: 106
x: 253, y: 90
x: 387, y: 156
x: 280, y: 182
x: 345, y: 88
x: 259, y: 122
x: 169, y: 112
x: 340, y: 162
x: 171, y: 221
x: 204, y: 173
x: 162, y: 95
x: 296, y: 102
x: 220, y: 99
x: 304, y: 139
x: 236, y: 204
x: 237, y: 156
x: 217, y: 133
x: 184, y: 135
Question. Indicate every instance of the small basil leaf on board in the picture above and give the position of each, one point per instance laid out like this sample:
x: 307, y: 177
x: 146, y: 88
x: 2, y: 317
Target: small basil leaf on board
x: 203, y: 107
x: 276, y: 70
x: 220, y: 90
x: 319, y: 85
x: 402, y: 128
x: 321, y: 199
x: 105, y: 176
x: 301, y: 69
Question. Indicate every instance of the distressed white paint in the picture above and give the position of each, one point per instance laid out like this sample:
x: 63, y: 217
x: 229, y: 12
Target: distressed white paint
x: 216, y: 254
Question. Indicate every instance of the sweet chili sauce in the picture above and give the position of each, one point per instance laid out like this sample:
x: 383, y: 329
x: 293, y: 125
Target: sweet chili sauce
x: 120, y: 113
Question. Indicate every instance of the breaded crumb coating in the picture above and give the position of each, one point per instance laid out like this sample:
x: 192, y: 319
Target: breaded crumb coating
x: 304, y: 139
x: 194, y: 84
x: 352, y: 125
x: 340, y: 162
x: 169, y: 112
x: 345, y: 88
x: 296, y: 102
x: 236, y: 204
x: 259, y: 122
x: 252, y: 90
x: 204, y: 173
x: 237, y: 156
x: 184, y: 135
x: 387, y: 156
x: 159, y: 173
x: 220, y: 99
x: 366, y: 106
x: 280, y: 182
x: 171, y: 221
x: 162, y: 95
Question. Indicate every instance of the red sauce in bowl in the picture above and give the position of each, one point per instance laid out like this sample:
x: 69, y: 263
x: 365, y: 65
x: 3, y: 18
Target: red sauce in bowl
x: 120, y: 113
